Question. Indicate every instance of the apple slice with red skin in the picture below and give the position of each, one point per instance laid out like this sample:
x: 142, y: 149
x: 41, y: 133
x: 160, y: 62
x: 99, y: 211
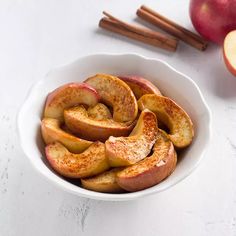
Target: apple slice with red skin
x: 104, y: 182
x: 229, y: 51
x: 153, y: 169
x: 125, y: 151
x: 91, y: 162
x: 69, y: 95
x: 172, y: 115
x: 52, y: 132
x: 117, y: 94
x: 139, y: 85
x: 79, y: 122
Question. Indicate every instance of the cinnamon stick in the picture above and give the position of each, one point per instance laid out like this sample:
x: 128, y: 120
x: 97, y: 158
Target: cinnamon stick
x: 172, y: 28
x: 141, y: 34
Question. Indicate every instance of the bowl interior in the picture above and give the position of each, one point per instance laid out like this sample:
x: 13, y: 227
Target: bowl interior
x: 171, y: 83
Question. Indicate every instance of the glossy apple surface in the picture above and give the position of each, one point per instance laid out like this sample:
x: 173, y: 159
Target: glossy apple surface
x: 213, y: 19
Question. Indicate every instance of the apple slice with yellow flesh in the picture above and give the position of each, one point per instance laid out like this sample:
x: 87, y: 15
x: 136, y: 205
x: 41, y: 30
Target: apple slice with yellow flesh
x: 91, y: 162
x: 140, y: 86
x: 99, y: 112
x: 69, y: 95
x: 52, y: 132
x: 229, y: 51
x: 78, y: 121
x: 105, y: 182
x: 153, y: 169
x: 125, y: 151
x: 117, y: 94
x: 172, y: 115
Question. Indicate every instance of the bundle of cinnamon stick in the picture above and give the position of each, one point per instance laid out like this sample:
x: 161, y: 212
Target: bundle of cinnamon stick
x: 152, y: 37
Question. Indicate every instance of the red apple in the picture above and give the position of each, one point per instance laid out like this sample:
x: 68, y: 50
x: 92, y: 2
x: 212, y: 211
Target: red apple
x: 229, y: 51
x: 213, y: 19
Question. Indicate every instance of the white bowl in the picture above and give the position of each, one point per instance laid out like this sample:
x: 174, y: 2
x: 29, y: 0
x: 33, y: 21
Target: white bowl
x: 171, y: 83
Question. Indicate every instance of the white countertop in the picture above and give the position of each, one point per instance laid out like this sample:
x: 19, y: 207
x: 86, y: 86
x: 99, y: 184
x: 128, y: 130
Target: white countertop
x: 38, y: 35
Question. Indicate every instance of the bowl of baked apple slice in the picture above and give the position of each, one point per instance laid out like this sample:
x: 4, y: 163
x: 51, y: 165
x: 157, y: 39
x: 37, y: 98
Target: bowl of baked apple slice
x: 115, y: 127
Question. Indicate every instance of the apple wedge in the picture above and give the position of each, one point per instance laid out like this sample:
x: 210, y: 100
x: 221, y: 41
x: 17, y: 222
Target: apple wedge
x: 117, y: 94
x: 99, y: 112
x: 90, y: 162
x: 69, y: 95
x: 140, y: 86
x: 172, y: 115
x: 78, y: 121
x: 105, y: 182
x: 52, y: 132
x: 153, y: 169
x: 229, y: 51
x: 125, y: 151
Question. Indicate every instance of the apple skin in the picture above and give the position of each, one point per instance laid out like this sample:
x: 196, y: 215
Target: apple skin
x: 229, y: 52
x: 153, y: 169
x: 213, y: 19
x: 78, y: 121
x: 139, y: 85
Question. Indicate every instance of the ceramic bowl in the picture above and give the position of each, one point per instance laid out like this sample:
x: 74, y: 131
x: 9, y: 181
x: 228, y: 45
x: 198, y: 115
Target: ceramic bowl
x: 171, y: 83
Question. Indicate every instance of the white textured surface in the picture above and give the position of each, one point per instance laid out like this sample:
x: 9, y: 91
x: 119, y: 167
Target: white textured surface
x: 37, y: 35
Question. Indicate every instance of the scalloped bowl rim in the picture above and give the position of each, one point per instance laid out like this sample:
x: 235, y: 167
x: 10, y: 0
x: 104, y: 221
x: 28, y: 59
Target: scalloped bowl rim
x: 69, y: 187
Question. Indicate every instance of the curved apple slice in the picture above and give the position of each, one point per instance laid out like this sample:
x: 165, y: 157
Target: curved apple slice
x: 67, y: 96
x: 116, y: 93
x: 125, y: 151
x: 229, y: 51
x: 99, y: 112
x: 140, y: 86
x: 78, y: 121
x: 172, y: 115
x: 51, y: 132
x: 153, y: 169
x: 90, y: 162
x: 105, y: 182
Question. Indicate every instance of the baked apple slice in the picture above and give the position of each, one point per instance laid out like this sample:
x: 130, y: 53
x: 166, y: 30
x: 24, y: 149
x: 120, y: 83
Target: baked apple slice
x: 140, y: 86
x: 105, y: 182
x: 117, y: 94
x: 125, y: 151
x: 153, y: 169
x: 172, y: 115
x: 99, y: 112
x: 69, y: 95
x: 78, y: 121
x: 52, y: 132
x: 91, y: 162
